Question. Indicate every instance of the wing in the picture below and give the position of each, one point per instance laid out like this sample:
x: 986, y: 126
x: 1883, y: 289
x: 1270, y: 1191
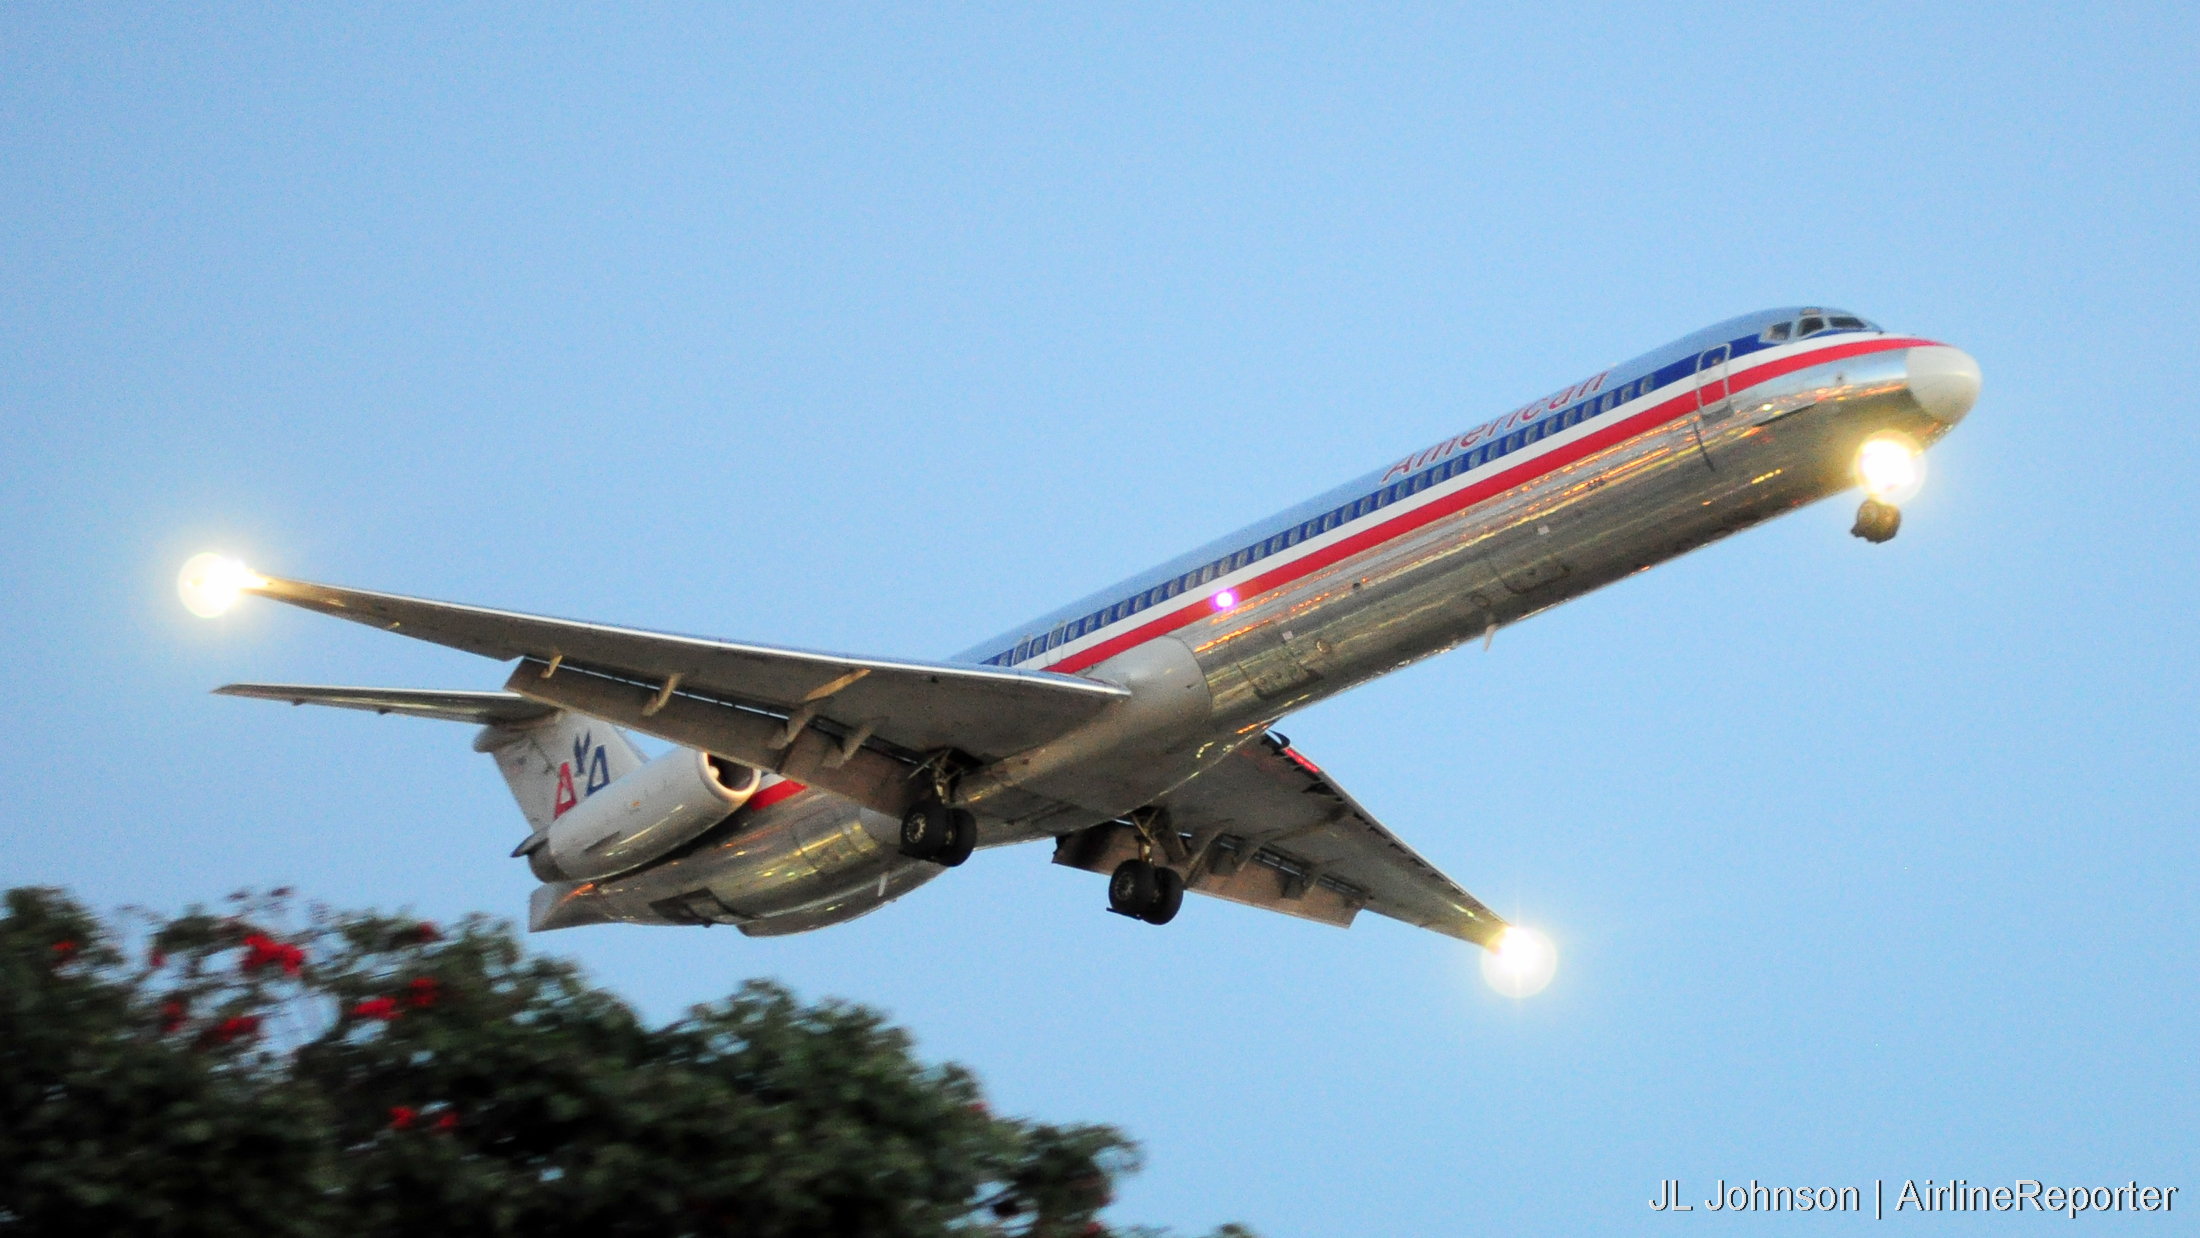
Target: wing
x: 508, y: 708
x: 1267, y: 828
x: 855, y: 726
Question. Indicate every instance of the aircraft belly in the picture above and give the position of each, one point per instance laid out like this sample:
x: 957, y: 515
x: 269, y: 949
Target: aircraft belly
x: 817, y: 857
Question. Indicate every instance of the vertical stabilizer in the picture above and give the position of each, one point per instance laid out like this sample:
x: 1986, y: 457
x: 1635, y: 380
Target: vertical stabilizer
x: 554, y: 764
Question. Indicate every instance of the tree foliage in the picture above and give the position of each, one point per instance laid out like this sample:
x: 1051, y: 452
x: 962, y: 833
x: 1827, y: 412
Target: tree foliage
x: 277, y: 1073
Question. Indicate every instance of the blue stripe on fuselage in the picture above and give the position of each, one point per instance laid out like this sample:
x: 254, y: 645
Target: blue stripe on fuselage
x: 1376, y: 491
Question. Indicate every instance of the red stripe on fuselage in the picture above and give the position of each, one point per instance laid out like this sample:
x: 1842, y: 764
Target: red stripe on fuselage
x: 1451, y: 504
x: 785, y: 788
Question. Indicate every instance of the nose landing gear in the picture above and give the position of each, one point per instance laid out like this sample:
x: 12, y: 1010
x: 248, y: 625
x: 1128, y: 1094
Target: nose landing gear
x: 1145, y: 891
x: 1877, y: 521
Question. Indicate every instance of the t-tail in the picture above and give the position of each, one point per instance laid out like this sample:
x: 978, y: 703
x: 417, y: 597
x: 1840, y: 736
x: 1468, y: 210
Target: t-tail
x: 595, y: 806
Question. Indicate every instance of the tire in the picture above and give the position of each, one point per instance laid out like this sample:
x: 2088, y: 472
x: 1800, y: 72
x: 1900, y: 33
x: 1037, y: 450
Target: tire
x: 1877, y: 522
x: 925, y: 831
x: 1168, y: 897
x: 1131, y: 890
x: 962, y: 838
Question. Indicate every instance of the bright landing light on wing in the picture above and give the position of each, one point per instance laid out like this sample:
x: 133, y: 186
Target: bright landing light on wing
x: 1223, y: 599
x: 1522, y: 964
x: 210, y: 583
x: 1890, y: 468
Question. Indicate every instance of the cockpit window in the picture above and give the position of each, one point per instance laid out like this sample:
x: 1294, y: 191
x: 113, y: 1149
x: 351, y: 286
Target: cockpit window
x: 1847, y: 323
x: 1809, y: 326
x: 1777, y: 331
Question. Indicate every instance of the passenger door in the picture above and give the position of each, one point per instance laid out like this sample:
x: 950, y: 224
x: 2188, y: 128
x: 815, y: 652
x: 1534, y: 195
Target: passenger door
x: 1712, y: 404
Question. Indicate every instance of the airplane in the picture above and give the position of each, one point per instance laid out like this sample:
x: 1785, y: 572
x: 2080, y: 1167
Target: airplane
x: 1133, y: 728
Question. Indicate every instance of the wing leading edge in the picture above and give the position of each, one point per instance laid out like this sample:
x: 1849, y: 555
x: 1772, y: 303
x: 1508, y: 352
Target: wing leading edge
x: 1267, y: 828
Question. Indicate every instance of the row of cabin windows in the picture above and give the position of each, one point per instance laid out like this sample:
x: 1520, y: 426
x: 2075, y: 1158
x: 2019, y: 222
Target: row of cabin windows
x: 1465, y: 462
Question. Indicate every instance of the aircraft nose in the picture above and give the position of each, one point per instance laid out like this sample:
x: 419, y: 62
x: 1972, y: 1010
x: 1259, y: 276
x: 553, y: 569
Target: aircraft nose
x: 1944, y: 381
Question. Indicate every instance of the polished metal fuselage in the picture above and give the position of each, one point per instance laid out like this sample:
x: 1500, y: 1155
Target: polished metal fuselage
x: 1635, y: 504
x: 1735, y: 457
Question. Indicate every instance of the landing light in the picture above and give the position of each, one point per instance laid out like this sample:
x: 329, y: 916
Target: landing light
x: 210, y: 583
x: 1223, y: 599
x: 1890, y: 468
x: 1522, y: 964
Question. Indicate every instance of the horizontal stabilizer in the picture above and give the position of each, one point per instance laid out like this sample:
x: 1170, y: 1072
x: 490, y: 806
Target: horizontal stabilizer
x: 485, y: 708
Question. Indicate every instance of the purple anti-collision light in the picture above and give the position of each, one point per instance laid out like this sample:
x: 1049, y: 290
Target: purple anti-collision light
x: 1224, y: 599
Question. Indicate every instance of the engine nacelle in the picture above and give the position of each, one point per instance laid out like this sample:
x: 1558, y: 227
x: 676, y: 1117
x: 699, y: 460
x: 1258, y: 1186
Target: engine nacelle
x: 641, y: 816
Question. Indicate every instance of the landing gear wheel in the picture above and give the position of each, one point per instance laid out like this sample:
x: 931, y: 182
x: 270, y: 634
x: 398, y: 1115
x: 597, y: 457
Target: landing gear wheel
x: 1131, y: 891
x: 1168, y: 896
x: 962, y: 838
x: 1877, y: 522
x: 926, y: 830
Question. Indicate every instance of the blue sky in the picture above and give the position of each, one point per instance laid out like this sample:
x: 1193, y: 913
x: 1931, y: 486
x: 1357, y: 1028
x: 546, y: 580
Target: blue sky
x: 880, y: 331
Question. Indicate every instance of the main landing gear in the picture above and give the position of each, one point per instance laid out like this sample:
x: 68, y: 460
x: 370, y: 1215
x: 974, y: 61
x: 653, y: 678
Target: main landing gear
x: 1145, y: 891
x: 933, y: 831
x: 1877, y: 521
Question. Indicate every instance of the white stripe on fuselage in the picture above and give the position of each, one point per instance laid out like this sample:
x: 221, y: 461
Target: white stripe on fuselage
x: 1527, y: 453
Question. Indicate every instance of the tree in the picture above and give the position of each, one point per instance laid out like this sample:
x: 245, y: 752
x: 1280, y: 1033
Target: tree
x: 361, y: 1074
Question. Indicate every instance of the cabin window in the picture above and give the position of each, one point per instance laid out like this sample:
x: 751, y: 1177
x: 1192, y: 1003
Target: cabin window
x: 1777, y: 331
x: 1847, y: 323
x: 1809, y: 326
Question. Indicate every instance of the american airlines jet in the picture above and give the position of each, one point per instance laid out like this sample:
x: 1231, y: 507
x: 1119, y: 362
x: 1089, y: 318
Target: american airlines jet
x: 1132, y: 728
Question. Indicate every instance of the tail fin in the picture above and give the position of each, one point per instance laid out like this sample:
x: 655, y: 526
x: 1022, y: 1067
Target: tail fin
x: 550, y: 759
x: 555, y: 763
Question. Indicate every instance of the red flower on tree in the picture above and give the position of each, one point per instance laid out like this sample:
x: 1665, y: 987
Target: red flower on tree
x: 447, y: 1123
x: 172, y: 1015
x: 382, y: 1008
x: 401, y: 1117
x: 422, y: 992
x: 65, y: 949
x: 427, y: 932
x: 242, y: 1026
x: 263, y: 951
x: 156, y: 959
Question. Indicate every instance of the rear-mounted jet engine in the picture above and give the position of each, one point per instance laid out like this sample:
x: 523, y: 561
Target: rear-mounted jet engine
x: 640, y: 817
